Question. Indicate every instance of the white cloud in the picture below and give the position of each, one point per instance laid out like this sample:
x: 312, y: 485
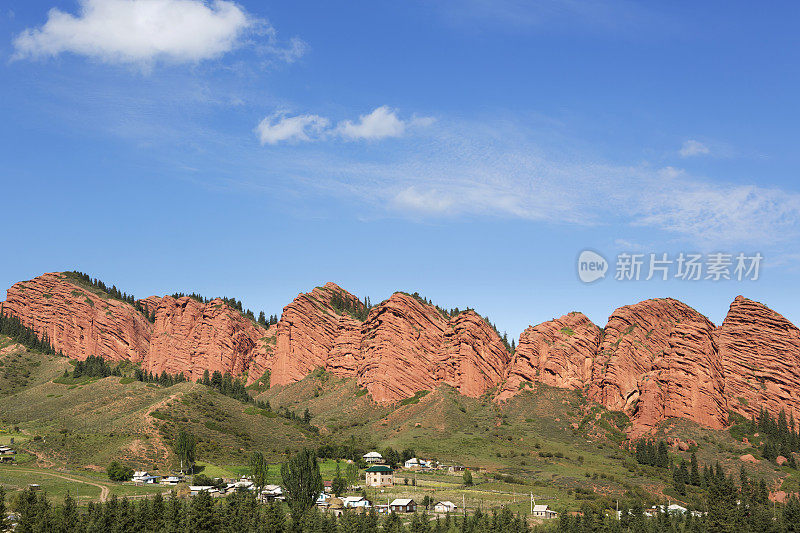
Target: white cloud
x: 381, y: 123
x: 143, y: 31
x: 279, y: 127
x: 692, y: 148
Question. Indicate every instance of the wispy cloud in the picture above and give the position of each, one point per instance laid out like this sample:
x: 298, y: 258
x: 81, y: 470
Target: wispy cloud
x: 459, y: 169
x: 142, y: 32
x: 381, y: 123
x: 278, y: 128
x: 693, y: 148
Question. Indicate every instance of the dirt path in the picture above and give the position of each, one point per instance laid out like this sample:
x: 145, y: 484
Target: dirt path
x: 156, y: 439
x: 104, y: 490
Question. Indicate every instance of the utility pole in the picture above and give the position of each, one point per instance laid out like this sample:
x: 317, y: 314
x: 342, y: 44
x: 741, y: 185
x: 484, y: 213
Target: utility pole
x: 533, y: 502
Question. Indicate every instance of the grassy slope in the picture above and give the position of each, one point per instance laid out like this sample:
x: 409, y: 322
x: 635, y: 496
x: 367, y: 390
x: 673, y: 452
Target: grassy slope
x: 88, y: 423
x: 516, y: 439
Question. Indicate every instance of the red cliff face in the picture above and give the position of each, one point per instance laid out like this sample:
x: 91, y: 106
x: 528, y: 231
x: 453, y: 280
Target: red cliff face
x: 191, y: 337
x: 401, y: 344
x: 474, y: 358
x: 78, y: 319
x: 345, y: 355
x: 558, y: 353
x: 686, y: 381
x: 409, y: 346
x: 760, y: 352
x: 307, y: 333
x: 634, y: 338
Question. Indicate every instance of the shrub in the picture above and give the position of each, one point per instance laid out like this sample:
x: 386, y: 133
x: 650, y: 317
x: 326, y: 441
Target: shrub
x: 118, y: 472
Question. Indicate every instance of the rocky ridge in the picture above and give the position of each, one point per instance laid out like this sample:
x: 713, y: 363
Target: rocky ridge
x: 654, y: 360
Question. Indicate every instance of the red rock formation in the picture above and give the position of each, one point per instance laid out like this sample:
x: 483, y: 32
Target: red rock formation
x: 474, y: 358
x: 150, y: 303
x: 409, y: 346
x: 558, y: 353
x: 78, y: 319
x: 760, y: 352
x: 634, y: 338
x: 307, y: 333
x: 686, y: 381
x: 191, y: 337
x: 656, y: 359
x: 401, y: 344
x: 262, y: 362
x: 345, y: 355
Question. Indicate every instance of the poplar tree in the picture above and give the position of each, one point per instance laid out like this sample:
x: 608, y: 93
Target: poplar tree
x: 259, y: 470
x: 302, y: 482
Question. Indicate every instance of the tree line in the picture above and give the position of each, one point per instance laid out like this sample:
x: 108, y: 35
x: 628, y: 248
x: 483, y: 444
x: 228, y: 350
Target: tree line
x: 164, y: 379
x: 113, y: 292
x: 94, y: 366
x: 781, y: 435
x: 352, y: 306
x: 454, y: 312
x: 235, y: 304
x: 14, y: 328
x: 651, y: 453
x: 236, y: 513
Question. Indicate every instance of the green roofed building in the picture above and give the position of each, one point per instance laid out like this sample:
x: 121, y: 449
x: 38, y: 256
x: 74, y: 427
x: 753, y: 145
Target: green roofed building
x: 379, y: 476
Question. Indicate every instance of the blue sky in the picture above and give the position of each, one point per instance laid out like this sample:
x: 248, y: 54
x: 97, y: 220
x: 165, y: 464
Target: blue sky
x: 467, y: 150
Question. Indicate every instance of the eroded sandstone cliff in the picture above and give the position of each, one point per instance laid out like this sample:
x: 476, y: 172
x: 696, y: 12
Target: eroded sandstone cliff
x: 654, y: 360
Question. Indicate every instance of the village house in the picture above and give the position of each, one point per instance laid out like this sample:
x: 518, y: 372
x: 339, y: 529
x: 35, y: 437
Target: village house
x: 373, y: 458
x: 170, y: 480
x: 335, y: 506
x: 671, y: 508
x: 6, y: 454
x: 379, y: 476
x: 271, y: 493
x: 353, y: 502
x: 445, y: 507
x: 194, y: 490
x: 323, y: 499
x: 543, y: 511
x: 144, y: 478
x: 403, y: 505
x: 416, y: 464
